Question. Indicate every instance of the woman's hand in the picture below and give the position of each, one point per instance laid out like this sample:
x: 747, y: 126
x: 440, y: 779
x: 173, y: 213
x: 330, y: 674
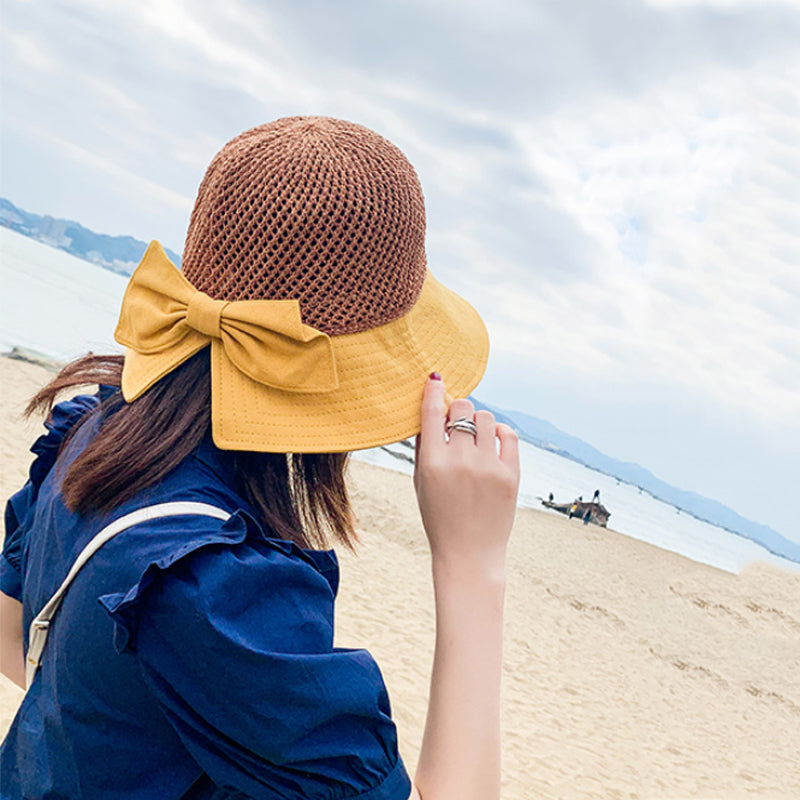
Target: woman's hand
x: 467, y: 491
x: 467, y: 486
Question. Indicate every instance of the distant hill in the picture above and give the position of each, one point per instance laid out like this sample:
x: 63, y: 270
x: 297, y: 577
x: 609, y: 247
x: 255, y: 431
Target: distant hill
x: 120, y: 254
x: 542, y: 434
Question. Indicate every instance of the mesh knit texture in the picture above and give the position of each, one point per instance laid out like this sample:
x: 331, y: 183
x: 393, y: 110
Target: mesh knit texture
x: 315, y: 209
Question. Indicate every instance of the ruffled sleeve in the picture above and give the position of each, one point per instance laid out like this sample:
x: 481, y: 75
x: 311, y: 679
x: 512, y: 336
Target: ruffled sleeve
x: 236, y: 642
x: 20, y: 506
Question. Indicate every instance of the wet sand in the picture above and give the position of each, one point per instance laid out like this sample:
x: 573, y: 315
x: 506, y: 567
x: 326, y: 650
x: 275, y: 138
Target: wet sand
x: 630, y: 672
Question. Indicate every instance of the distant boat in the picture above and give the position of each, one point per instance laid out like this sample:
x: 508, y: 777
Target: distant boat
x: 599, y: 514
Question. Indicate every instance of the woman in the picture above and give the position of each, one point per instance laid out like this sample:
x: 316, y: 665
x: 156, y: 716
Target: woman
x: 192, y: 654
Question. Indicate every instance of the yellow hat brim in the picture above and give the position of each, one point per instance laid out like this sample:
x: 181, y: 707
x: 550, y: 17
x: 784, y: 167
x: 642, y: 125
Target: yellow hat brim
x: 382, y: 374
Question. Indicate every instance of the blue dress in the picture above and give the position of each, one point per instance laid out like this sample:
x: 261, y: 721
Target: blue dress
x: 191, y: 657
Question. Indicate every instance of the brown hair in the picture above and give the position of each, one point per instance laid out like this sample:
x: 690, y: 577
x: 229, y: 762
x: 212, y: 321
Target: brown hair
x: 301, y: 497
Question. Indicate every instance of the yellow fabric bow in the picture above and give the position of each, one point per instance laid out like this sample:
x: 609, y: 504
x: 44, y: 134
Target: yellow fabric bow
x: 164, y: 320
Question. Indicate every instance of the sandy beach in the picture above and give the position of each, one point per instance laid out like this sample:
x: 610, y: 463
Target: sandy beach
x: 630, y: 672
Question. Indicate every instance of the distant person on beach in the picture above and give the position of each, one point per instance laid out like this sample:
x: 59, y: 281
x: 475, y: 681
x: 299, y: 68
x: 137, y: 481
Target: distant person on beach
x: 596, y: 498
x: 192, y: 652
x: 551, y: 497
x: 587, y: 517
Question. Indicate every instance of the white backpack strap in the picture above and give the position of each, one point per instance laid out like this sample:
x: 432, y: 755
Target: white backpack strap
x: 39, y: 628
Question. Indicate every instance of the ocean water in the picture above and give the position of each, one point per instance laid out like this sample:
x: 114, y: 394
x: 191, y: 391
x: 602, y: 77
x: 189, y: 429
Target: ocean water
x: 633, y: 512
x: 53, y: 302
x: 63, y: 306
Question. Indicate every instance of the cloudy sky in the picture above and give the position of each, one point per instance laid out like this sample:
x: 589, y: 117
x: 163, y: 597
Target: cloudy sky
x: 614, y: 184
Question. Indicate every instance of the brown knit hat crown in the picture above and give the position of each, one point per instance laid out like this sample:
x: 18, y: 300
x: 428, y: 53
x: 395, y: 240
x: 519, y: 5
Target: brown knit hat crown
x: 315, y: 209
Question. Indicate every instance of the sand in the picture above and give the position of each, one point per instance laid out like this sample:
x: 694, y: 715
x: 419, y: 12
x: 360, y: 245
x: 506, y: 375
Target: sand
x: 630, y: 672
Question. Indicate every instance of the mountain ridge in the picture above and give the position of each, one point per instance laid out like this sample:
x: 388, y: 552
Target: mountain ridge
x: 120, y: 254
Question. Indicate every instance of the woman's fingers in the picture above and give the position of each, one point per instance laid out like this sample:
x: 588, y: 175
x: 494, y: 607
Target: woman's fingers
x: 460, y: 409
x: 484, y: 422
x: 466, y: 486
x: 509, y: 446
x: 435, y: 415
x: 431, y: 436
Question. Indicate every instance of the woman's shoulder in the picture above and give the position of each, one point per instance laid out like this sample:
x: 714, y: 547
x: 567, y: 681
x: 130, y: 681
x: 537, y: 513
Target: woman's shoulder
x: 193, y: 562
x: 59, y: 423
x: 19, y: 507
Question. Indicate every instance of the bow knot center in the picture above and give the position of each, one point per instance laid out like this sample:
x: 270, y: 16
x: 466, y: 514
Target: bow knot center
x: 204, y: 313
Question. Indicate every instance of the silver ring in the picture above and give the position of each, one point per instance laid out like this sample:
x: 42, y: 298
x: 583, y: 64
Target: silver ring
x: 462, y: 424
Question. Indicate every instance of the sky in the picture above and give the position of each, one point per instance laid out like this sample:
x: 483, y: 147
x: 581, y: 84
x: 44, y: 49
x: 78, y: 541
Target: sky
x: 615, y: 185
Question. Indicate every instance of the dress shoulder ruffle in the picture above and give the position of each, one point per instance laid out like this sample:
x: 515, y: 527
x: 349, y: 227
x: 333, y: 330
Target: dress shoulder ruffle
x: 20, y: 505
x: 182, y: 537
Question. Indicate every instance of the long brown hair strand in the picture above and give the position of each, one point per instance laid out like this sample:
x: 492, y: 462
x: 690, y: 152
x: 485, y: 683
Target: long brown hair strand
x: 301, y: 497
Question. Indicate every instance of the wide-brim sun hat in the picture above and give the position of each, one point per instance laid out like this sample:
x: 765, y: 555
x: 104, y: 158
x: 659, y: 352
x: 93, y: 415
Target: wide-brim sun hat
x: 304, y: 271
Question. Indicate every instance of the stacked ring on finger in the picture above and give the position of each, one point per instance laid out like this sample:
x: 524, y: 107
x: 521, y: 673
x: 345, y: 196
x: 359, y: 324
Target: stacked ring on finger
x: 462, y: 424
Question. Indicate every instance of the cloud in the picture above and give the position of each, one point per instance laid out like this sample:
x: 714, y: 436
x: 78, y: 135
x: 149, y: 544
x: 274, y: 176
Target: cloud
x: 720, y: 5
x: 27, y: 50
x: 136, y: 189
x: 676, y: 191
x: 529, y: 57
